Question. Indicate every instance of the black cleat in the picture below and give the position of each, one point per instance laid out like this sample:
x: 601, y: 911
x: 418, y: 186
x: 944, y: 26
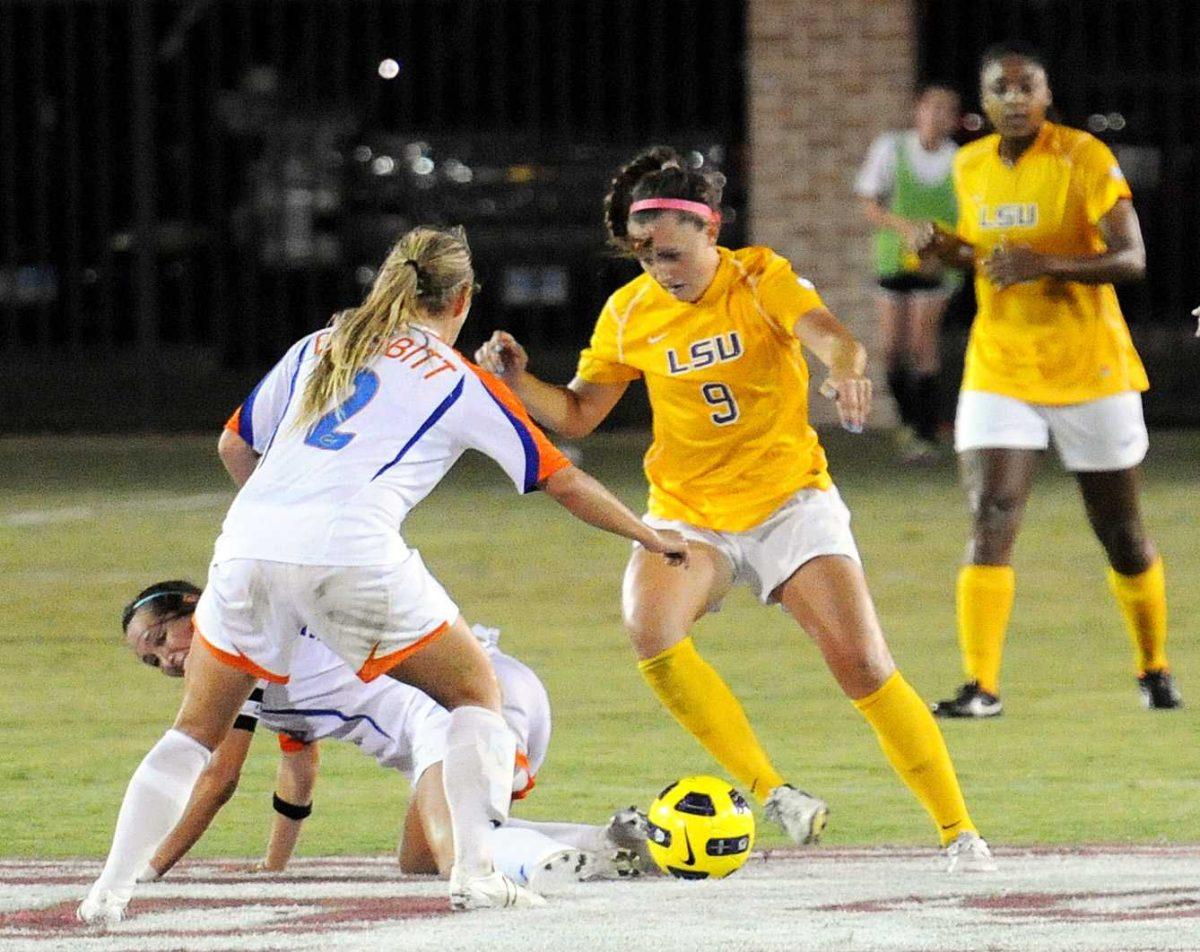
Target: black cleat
x: 1158, y: 691
x: 971, y: 701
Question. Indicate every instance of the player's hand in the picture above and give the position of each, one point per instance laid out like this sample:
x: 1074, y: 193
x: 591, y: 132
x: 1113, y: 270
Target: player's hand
x: 1196, y: 314
x: 668, y: 543
x: 852, y: 396
x: 929, y: 239
x: 503, y: 356
x: 1013, y: 264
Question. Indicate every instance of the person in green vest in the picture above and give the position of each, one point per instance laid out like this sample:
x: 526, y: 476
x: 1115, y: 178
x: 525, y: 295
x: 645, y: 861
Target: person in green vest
x: 906, y: 179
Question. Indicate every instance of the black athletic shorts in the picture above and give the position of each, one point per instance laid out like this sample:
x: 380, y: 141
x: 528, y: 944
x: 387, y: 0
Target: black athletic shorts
x: 906, y: 283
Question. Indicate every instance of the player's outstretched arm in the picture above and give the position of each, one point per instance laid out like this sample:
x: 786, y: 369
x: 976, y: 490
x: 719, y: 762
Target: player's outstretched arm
x: 838, y: 349
x: 294, y: 784
x: 587, y: 499
x: 572, y: 411
x: 237, y: 456
x: 213, y: 790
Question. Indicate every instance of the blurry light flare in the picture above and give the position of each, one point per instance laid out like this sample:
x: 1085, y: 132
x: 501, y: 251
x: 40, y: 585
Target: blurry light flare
x: 363, y: 153
x: 389, y: 69
x: 383, y: 165
x: 972, y: 122
x: 1116, y: 121
x: 364, y: 274
x: 423, y: 166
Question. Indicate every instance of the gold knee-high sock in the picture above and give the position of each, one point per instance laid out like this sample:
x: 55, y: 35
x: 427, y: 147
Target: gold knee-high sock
x: 701, y: 701
x: 914, y: 746
x: 985, y: 598
x: 1142, y: 599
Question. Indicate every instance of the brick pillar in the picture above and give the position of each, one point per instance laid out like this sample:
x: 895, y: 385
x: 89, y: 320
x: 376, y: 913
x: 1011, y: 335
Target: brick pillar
x: 825, y: 77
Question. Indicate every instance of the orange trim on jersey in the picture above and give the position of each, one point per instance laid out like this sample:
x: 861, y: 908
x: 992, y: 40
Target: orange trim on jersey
x: 239, y: 661
x: 550, y: 459
x: 373, y: 667
x: 289, y: 745
x: 522, y: 763
x: 235, y: 421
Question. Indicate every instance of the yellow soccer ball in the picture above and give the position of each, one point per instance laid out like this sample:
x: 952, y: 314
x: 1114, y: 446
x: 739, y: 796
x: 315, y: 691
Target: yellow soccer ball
x: 700, y: 828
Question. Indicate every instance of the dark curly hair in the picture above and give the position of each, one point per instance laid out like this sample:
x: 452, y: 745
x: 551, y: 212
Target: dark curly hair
x: 173, y: 597
x: 658, y: 172
x: 1018, y: 48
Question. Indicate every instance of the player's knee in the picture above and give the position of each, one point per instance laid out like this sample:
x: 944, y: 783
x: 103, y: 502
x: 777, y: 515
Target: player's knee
x: 650, y: 637
x: 1125, y: 542
x: 996, y: 515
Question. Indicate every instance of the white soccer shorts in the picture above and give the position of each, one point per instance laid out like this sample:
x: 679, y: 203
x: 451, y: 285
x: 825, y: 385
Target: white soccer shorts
x: 1094, y: 436
x: 811, y: 523
x: 372, y: 616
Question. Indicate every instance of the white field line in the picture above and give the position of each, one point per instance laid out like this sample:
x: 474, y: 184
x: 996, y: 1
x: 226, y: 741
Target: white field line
x: 1099, y: 899
x: 192, y: 502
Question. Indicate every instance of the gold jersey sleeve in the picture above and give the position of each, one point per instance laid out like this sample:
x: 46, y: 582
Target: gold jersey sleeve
x: 1045, y: 341
x: 728, y: 388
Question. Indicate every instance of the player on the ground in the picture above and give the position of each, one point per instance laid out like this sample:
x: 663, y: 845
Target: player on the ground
x: 402, y: 728
x: 366, y: 416
x: 1047, y: 216
x: 737, y: 469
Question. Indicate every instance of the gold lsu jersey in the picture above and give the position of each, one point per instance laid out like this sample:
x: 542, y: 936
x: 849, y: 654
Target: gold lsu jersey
x: 728, y: 386
x: 1044, y: 341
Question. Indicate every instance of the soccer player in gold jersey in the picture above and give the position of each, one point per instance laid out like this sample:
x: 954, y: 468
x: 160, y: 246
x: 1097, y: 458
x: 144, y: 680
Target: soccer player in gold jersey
x: 1047, y: 218
x: 735, y: 467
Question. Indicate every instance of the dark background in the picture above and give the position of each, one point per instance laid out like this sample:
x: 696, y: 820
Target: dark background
x: 186, y: 186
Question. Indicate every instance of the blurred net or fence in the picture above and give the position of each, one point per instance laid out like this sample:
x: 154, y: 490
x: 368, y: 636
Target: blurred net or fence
x: 186, y: 186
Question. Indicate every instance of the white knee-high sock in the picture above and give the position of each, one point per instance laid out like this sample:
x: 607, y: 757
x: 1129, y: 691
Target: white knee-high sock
x: 477, y: 777
x: 517, y: 852
x: 577, y: 835
x: 154, y: 801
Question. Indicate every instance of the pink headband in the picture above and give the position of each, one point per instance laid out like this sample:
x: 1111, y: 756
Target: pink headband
x: 675, y: 205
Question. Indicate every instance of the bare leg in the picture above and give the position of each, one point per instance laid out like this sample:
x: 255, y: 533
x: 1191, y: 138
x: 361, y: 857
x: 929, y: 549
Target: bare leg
x: 1111, y: 500
x: 427, y: 842
x: 923, y: 339
x: 828, y: 596
x: 997, y: 482
x: 661, y: 602
x: 893, y: 333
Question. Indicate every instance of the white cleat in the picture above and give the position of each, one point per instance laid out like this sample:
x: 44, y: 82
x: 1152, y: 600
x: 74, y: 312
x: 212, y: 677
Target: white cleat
x: 628, y: 832
x: 105, y: 908
x: 561, y: 870
x: 802, y: 817
x: 493, y: 891
x: 969, y: 853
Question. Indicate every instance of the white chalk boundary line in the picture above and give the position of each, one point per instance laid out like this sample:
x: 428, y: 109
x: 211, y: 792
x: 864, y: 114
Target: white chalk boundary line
x: 1096, y: 898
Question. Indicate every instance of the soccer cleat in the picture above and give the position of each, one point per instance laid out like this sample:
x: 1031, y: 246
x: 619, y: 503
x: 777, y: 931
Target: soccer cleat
x: 1158, y: 691
x: 802, y: 817
x: 105, y: 908
x: 560, y: 870
x: 629, y: 831
x: 493, y: 891
x: 616, y: 864
x: 971, y: 701
x: 969, y: 853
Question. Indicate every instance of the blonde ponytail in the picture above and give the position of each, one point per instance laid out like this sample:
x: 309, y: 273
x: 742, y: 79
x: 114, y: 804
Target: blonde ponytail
x: 420, y: 276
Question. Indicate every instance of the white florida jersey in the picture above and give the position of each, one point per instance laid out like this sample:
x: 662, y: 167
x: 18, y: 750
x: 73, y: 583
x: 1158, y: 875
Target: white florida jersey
x: 402, y: 728
x: 337, y: 491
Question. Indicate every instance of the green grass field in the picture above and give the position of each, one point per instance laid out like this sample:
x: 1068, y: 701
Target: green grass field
x: 85, y: 523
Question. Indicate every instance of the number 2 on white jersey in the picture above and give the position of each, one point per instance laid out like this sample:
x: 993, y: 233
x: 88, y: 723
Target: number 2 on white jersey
x: 719, y: 395
x: 324, y: 434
